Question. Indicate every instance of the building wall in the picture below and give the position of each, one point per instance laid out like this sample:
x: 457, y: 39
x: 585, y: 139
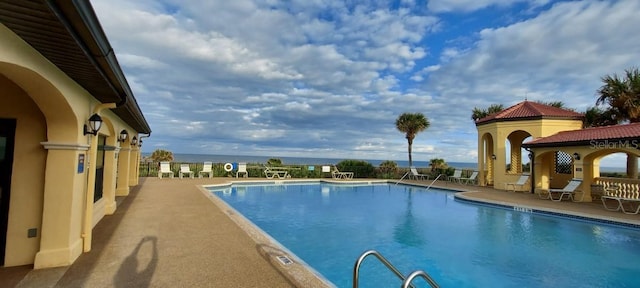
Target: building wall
x: 50, y: 190
x: 28, y: 173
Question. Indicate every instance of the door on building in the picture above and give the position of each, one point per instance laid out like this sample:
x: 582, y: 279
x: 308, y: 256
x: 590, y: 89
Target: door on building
x: 97, y: 192
x: 7, y: 139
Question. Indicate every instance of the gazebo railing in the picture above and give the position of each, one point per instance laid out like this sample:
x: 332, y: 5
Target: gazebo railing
x: 623, y: 187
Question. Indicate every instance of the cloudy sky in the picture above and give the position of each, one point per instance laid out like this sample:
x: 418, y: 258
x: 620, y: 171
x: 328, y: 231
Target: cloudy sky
x: 328, y: 78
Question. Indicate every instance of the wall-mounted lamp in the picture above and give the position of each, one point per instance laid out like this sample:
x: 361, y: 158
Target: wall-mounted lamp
x: 134, y: 141
x: 576, y: 156
x: 123, y: 136
x: 140, y: 143
x: 95, y: 122
x: 493, y: 156
x: 530, y: 155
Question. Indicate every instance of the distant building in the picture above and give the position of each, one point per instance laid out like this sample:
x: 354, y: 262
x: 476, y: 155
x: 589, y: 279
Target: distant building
x: 58, y: 72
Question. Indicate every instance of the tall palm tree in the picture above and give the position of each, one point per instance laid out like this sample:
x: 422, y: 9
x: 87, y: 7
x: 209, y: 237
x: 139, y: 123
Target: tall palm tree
x: 411, y: 124
x: 622, y: 95
x: 478, y: 113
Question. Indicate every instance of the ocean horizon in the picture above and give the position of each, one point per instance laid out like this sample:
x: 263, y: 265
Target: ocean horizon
x: 196, y: 158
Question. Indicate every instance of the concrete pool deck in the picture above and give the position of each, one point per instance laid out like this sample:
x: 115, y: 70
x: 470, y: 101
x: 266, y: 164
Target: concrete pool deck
x: 169, y: 233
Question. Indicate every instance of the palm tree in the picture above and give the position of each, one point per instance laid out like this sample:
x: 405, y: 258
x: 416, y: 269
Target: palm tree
x: 622, y: 95
x: 478, y: 113
x: 596, y: 116
x: 160, y: 155
x: 411, y: 124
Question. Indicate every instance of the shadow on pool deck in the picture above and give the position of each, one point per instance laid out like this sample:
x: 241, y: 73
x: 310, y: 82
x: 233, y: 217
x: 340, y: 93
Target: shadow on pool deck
x: 167, y: 233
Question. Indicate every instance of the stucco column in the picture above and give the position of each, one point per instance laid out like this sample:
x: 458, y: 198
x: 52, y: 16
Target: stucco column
x: 62, y: 211
x: 133, y: 165
x: 122, y: 185
x: 109, y: 180
x: 481, y: 162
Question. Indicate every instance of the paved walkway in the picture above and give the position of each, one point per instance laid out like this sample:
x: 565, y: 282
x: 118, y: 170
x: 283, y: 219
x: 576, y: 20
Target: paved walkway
x: 168, y: 233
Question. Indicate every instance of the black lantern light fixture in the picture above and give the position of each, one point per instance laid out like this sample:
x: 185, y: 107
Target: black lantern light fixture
x: 493, y: 157
x: 123, y: 136
x: 140, y: 143
x: 576, y: 156
x: 95, y: 122
x: 134, y: 141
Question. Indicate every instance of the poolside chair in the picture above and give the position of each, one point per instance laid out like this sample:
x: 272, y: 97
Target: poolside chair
x: 206, y: 169
x: 469, y: 180
x: 521, y: 182
x: 242, y: 168
x: 613, y: 193
x: 567, y: 191
x: 165, y: 168
x: 336, y: 174
x: 457, y: 174
x: 417, y: 176
x: 185, y: 169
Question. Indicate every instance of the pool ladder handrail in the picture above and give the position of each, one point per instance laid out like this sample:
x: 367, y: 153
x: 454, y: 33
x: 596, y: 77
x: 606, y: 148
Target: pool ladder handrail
x: 406, y: 281
x: 405, y: 175
x: 434, y: 181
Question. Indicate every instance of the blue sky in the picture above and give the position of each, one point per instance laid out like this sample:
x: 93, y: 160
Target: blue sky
x: 325, y: 78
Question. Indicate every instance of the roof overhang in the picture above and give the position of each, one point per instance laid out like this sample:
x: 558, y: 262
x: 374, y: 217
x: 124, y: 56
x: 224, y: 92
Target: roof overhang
x: 494, y: 120
x: 629, y: 142
x: 68, y: 33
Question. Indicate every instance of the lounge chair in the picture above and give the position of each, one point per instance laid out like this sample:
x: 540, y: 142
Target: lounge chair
x: 271, y: 172
x: 567, y: 191
x: 206, y: 169
x: 165, y: 168
x: 613, y: 193
x: 521, y: 182
x: 185, y: 169
x: 417, y: 176
x: 469, y: 180
x: 456, y: 176
x: 242, y: 168
x: 336, y: 174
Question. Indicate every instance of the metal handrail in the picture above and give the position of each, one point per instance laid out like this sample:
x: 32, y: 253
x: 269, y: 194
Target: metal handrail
x: 434, y: 181
x: 405, y: 175
x: 407, y: 282
x: 356, y: 268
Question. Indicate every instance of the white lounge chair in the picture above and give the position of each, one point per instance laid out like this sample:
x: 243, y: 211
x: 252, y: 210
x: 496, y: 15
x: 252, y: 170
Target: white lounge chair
x: 567, y: 191
x: 165, y: 168
x: 185, y: 169
x: 469, y: 180
x: 336, y: 174
x: 457, y: 174
x: 613, y: 193
x: 417, y: 176
x: 520, y: 183
x: 206, y: 169
x: 242, y: 168
x: 279, y: 172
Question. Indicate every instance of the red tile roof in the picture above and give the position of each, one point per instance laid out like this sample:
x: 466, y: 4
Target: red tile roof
x: 587, y: 135
x: 530, y: 110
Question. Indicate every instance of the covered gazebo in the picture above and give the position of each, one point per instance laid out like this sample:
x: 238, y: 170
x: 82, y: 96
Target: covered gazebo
x: 577, y: 153
x: 500, y: 138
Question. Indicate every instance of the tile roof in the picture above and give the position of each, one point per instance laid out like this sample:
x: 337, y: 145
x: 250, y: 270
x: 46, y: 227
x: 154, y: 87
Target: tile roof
x: 585, y: 136
x: 530, y: 110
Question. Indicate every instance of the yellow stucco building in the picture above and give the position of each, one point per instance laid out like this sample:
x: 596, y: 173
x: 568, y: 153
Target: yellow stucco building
x: 500, y: 138
x: 58, y: 72
x: 558, y: 147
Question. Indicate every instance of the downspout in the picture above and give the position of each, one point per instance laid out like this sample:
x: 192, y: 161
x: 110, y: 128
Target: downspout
x: 93, y: 151
x: 91, y: 183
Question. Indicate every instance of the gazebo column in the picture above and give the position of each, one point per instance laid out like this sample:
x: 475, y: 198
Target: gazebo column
x: 122, y: 185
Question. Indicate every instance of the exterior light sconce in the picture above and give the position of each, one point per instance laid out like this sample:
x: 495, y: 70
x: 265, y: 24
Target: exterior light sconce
x: 140, y: 143
x: 576, y: 156
x: 123, y: 136
x: 493, y: 157
x: 134, y: 141
x: 530, y: 155
x: 95, y: 122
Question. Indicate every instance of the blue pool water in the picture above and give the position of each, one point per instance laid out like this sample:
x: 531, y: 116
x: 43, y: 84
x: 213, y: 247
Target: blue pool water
x: 458, y: 244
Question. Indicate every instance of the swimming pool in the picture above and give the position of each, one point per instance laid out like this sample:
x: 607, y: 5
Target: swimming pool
x: 458, y: 244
